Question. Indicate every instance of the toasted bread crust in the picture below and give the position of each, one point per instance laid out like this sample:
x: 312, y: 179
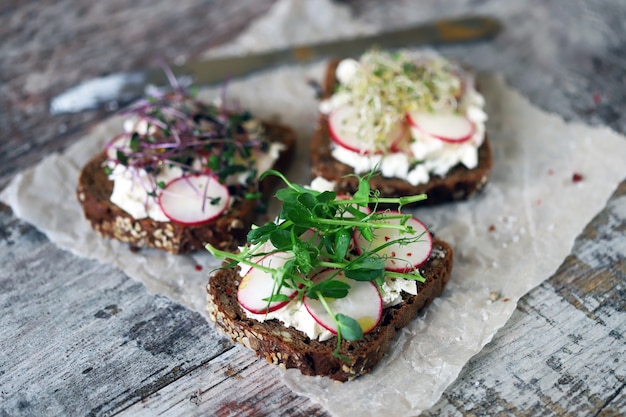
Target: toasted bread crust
x: 458, y: 184
x: 226, y: 232
x: 291, y: 348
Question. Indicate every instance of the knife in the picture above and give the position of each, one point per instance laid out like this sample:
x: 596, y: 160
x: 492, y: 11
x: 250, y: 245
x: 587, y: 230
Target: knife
x: 118, y: 89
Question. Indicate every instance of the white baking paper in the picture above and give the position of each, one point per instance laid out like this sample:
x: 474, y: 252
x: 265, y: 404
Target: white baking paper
x: 506, y: 240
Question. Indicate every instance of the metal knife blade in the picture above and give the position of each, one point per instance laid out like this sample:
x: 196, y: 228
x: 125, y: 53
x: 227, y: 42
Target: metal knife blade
x: 118, y: 89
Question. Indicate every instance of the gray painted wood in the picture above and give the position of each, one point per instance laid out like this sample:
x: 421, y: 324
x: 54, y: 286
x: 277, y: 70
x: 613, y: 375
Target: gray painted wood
x: 80, y: 338
x: 563, y: 351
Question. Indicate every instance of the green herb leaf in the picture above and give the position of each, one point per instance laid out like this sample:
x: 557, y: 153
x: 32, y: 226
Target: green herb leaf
x: 343, y: 238
x: 326, y: 197
x: 287, y: 195
x: 366, y: 269
x: 307, y: 200
x: 276, y: 298
x: 301, y: 216
x: 367, y: 232
x: 280, y: 238
x: 262, y: 233
x: 363, y: 193
x: 122, y: 158
x: 349, y: 327
x: 135, y: 142
x: 213, y: 163
x: 304, y: 254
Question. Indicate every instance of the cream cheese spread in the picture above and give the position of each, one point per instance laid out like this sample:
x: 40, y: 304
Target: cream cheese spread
x: 294, y: 314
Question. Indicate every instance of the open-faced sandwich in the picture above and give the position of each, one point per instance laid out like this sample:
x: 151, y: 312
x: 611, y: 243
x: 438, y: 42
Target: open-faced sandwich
x: 416, y: 118
x: 326, y: 286
x: 182, y: 173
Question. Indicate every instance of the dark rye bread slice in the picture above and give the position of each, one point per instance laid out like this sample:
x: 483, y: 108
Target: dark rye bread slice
x: 458, y: 184
x: 226, y: 232
x: 290, y: 348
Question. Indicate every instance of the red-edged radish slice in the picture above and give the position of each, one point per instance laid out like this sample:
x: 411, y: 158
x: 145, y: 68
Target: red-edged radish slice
x: 194, y: 199
x: 448, y: 127
x: 258, y: 284
x: 343, y: 124
x: 363, y: 303
x: 399, y: 137
x: 399, y: 258
x: 262, y: 252
x: 402, y: 139
x: 118, y: 143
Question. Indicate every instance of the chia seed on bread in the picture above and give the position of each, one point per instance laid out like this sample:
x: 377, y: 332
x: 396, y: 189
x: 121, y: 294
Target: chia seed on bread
x: 458, y: 184
x: 291, y: 348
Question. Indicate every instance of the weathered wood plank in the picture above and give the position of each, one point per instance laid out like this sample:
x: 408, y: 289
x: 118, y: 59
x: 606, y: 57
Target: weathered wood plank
x: 93, y: 342
x: 49, y: 46
x: 563, y: 351
x: 234, y: 384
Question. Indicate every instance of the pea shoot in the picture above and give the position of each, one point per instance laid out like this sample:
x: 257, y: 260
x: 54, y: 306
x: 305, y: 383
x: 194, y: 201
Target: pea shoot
x: 177, y: 130
x: 316, y: 229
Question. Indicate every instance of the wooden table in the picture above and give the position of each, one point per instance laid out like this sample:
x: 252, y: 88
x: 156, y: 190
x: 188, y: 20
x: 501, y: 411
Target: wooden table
x: 80, y: 338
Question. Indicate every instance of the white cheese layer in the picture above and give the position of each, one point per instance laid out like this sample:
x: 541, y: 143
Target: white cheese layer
x: 294, y: 314
x: 130, y: 191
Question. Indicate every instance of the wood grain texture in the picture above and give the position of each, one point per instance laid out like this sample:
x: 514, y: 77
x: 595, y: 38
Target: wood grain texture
x: 50, y: 46
x: 563, y: 352
x: 80, y: 338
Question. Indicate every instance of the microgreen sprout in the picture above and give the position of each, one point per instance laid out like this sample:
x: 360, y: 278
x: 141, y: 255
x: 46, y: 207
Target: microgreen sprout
x: 385, y: 86
x: 175, y: 130
x: 316, y: 229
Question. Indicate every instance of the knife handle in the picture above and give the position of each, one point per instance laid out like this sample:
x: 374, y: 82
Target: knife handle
x: 121, y: 88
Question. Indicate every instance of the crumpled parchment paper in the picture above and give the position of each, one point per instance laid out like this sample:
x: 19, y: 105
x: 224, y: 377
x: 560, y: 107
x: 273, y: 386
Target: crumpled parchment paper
x: 507, y: 240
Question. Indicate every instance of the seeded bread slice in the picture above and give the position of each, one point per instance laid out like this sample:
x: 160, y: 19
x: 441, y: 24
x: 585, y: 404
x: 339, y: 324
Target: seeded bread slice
x: 226, y: 232
x: 458, y: 184
x: 290, y: 348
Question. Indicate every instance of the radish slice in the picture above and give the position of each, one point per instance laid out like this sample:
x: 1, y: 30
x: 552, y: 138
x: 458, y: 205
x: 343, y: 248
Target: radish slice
x: 257, y: 285
x: 118, y: 143
x: 343, y: 124
x: 399, y: 258
x: 448, y: 127
x: 194, y: 199
x: 262, y: 251
x: 363, y: 303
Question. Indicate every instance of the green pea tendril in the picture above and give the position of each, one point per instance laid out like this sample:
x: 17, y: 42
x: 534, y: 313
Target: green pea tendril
x: 332, y: 222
